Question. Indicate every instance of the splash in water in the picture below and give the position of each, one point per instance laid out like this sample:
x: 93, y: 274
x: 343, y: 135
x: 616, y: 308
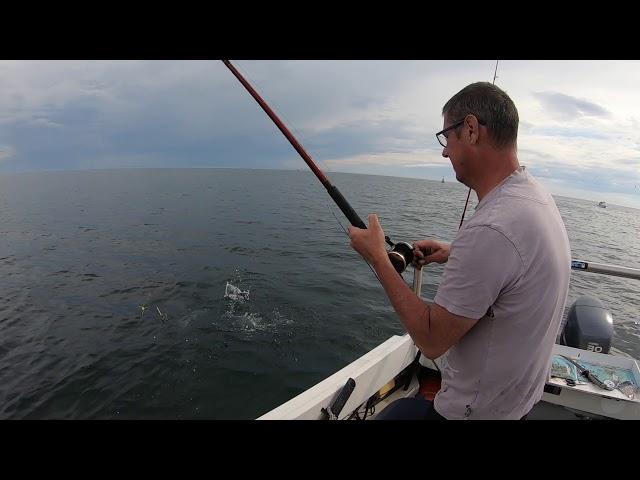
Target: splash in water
x: 234, y: 293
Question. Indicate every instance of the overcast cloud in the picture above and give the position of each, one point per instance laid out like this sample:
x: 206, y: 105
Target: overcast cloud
x: 578, y: 131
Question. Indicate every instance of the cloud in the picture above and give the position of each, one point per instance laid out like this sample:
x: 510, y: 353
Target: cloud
x: 630, y: 161
x: 6, y: 153
x: 43, y: 122
x: 582, y: 176
x: 579, y: 152
x: 370, y: 116
x: 398, y: 159
x: 566, y: 107
x: 570, y: 132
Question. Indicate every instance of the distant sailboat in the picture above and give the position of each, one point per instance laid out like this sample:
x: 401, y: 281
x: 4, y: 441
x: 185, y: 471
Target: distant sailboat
x: 442, y: 180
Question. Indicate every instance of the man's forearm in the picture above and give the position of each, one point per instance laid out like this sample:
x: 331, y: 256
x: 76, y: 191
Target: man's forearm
x: 413, y: 312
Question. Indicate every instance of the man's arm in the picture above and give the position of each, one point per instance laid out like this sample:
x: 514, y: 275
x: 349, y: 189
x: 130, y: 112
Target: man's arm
x: 433, y: 329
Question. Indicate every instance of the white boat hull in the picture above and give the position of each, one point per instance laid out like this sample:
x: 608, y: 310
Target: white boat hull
x: 378, y: 367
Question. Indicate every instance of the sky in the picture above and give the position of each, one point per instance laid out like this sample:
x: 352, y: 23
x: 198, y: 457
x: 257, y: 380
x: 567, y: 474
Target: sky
x: 578, y: 134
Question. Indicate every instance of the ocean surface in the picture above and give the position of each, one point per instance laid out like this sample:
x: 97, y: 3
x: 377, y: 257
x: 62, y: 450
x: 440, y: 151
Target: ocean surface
x: 112, y: 299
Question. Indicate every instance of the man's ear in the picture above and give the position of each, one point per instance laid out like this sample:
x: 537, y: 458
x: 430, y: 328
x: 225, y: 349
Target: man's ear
x: 472, y: 132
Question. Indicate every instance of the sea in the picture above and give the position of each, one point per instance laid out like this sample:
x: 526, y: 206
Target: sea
x: 222, y: 293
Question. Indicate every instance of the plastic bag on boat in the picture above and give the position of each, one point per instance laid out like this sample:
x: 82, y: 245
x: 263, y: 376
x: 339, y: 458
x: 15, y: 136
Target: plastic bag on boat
x: 561, y: 368
x: 628, y: 388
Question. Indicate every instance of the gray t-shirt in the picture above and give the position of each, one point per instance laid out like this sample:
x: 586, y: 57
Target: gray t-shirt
x: 509, y: 266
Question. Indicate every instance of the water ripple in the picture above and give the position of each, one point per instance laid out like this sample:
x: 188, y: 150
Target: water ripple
x: 112, y: 301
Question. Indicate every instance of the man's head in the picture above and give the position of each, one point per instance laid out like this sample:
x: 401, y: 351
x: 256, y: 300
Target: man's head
x: 484, y: 123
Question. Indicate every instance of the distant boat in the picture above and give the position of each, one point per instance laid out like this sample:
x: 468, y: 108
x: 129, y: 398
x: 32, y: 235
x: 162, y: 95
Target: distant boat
x: 602, y: 204
x: 442, y: 180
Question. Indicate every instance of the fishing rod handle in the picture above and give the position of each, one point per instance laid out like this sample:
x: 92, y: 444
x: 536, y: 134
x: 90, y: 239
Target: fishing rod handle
x: 417, y: 280
x: 344, y: 206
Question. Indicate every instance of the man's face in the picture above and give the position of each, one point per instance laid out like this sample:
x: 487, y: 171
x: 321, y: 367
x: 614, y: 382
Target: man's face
x: 455, y: 150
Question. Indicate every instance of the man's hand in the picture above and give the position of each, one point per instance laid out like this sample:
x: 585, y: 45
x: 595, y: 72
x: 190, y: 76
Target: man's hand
x: 428, y: 251
x: 370, y: 242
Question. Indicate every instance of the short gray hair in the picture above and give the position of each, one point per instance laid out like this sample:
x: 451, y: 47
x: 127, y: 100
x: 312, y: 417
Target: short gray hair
x: 492, y: 106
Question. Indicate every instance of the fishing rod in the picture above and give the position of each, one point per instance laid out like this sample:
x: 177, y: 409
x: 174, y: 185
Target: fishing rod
x: 606, y: 385
x: 401, y: 253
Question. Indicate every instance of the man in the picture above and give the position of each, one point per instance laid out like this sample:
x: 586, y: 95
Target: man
x: 501, y: 299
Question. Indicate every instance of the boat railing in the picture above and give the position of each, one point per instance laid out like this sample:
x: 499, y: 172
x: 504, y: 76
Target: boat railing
x: 614, y: 270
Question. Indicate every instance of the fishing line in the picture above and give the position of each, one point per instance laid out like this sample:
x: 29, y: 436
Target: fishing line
x: 328, y: 169
x: 324, y: 164
x: 347, y: 234
x: 298, y: 134
x: 495, y: 75
x: 401, y: 253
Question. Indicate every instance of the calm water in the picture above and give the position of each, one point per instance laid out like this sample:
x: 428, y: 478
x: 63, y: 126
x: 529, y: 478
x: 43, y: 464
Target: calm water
x: 112, y: 300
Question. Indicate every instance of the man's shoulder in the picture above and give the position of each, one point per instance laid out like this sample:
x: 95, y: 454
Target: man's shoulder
x: 515, y: 203
x: 481, y: 236
x: 525, y: 188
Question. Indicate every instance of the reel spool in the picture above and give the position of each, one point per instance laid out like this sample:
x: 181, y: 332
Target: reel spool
x: 401, y: 255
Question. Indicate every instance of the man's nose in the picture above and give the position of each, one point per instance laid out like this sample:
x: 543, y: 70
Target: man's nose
x: 445, y: 154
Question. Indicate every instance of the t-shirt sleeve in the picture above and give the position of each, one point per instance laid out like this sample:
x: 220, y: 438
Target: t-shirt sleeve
x: 482, y: 263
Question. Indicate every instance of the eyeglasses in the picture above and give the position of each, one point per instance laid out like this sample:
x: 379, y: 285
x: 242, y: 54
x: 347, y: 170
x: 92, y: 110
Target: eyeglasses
x: 442, y: 138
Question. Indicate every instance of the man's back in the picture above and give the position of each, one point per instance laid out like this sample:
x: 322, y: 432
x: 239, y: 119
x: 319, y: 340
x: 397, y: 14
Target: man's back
x: 509, y: 266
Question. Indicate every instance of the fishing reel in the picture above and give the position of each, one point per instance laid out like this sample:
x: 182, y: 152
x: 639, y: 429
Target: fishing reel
x: 401, y: 254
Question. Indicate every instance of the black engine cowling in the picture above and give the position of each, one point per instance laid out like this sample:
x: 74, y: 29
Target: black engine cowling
x: 589, y: 326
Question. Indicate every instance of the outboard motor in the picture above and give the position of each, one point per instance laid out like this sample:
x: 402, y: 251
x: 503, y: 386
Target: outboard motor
x: 589, y: 326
